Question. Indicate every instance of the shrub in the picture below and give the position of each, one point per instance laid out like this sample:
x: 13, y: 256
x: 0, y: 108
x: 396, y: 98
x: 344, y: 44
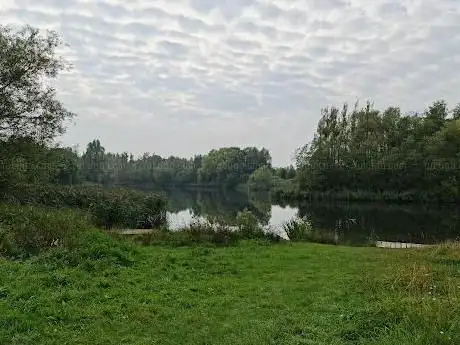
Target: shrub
x: 197, y: 233
x: 211, y: 231
x: 298, y: 229
x: 109, y: 207
x: 248, y: 225
x: 27, y: 230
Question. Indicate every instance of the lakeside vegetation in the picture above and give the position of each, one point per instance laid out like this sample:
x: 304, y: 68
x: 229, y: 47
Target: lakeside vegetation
x: 65, y: 279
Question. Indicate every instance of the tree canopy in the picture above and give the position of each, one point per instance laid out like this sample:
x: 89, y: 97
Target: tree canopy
x: 379, y: 151
x: 28, y: 106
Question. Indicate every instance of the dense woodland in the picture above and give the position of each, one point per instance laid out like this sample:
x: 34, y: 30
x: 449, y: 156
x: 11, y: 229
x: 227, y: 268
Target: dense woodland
x: 27, y: 161
x: 384, y: 152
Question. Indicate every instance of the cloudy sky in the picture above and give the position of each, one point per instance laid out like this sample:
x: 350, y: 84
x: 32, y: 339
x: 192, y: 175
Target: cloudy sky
x: 185, y: 76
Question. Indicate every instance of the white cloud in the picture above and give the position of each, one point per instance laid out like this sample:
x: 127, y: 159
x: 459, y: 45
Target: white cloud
x: 184, y: 76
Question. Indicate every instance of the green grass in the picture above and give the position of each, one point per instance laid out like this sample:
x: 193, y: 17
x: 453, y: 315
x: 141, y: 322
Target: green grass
x: 109, y: 207
x: 107, y: 292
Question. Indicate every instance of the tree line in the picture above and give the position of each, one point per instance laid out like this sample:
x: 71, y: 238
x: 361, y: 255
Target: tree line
x: 225, y: 167
x: 387, y: 151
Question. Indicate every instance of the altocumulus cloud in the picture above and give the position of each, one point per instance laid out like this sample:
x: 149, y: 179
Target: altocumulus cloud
x: 184, y: 76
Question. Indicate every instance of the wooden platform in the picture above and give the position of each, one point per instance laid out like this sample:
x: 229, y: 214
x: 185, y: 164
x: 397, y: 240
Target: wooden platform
x: 134, y: 231
x: 399, y: 245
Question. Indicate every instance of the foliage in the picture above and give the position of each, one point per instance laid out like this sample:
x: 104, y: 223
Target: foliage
x: 27, y: 230
x: 226, y: 167
x: 26, y: 161
x: 28, y: 107
x: 109, y: 207
x: 197, y: 233
x: 298, y: 229
x: 261, y: 179
x: 285, y: 173
x: 231, y: 166
x: 93, y: 161
x: 210, y: 231
x: 376, y: 152
x: 248, y: 225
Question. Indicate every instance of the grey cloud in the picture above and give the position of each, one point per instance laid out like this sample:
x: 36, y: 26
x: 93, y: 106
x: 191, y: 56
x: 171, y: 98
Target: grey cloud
x: 153, y: 13
x: 82, y: 21
x: 192, y: 25
x: 269, y: 11
x: 392, y: 9
x: 140, y: 65
x: 114, y: 11
x: 221, y: 99
x: 140, y: 29
x: 47, y: 3
x: 247, y: 26
x: 296, y: 18
x: 174, y: 49
x: 228, y: 8
x: 243, y: 45
x: 328, y: 4
x: 38, y: 17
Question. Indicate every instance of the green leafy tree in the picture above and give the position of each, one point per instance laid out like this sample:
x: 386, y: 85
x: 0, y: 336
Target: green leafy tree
x: 93, y: 160
x: 28, y: 107
x: 367, y: 150
x: 261, y: 179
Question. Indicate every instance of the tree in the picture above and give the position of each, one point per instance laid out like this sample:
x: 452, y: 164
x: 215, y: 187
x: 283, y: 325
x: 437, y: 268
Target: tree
x: 29, y: 108
x: 261, y: 179
x: 373, y: 151
x: 94, y: 162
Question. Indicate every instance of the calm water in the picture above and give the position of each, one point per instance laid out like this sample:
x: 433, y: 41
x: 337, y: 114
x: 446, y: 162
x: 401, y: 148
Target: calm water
x: 344, y: 223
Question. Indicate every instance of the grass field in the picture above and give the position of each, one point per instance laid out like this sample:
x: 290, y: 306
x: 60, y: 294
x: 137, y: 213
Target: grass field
x: 246, y: 294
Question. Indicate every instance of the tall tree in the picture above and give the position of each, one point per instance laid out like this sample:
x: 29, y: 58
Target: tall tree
x: 28, y: 107
x: 94, y: 162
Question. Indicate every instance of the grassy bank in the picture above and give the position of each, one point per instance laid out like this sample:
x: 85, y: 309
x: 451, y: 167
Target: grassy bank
x: 100, y: 290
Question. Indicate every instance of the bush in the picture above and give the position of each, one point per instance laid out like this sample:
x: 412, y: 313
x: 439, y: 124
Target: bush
x: 298, y: 229
x: 198, y: 232
x: 212, y: 231
x: 261, y: 179
x: 27, y: 230
x: 248, y: 225
x: 109, y: 207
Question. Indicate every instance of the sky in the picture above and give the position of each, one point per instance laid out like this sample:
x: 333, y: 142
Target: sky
x: 181, y: 77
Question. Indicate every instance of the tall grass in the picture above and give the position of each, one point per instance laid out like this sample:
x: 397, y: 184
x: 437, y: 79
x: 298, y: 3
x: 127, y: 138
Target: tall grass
x: 298, y: 229
x: 109, y: 207
x: 211, y: 231
x: 420, y: 291
x: 26, y: 230
x: 301, y: 230
x: 59, y: 237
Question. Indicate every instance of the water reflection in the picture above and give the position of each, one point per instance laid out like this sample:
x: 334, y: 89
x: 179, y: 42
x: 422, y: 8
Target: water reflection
x: 341, y: 223
x: 361, y: 223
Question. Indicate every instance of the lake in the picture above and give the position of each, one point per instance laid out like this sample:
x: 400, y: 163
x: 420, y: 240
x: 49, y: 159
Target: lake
x: 338, y: 222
